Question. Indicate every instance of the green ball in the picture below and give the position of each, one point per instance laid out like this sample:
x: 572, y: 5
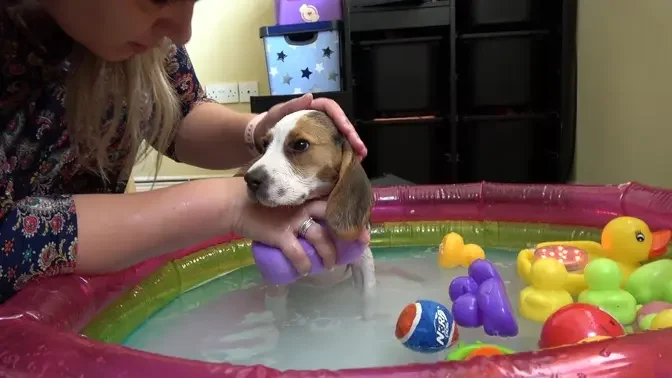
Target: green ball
x: 603, y: 274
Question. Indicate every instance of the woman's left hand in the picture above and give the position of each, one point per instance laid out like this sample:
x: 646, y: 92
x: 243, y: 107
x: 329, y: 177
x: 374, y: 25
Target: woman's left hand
x: 326, y: 105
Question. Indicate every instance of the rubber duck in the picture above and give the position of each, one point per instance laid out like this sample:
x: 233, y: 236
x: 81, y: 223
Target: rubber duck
x: 453, y: 252
x: 627, y: 240
x: 603, y: 277
x: 648, y: 312
x: 546, y: 294
x: 662, y: 320
x: 652, y: 282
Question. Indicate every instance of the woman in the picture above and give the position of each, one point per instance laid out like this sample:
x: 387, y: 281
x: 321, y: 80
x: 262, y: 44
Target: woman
x: 65, y: 159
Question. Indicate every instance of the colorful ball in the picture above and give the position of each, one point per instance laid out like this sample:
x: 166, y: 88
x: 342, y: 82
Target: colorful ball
x: 578, y: 322
x: 426, y: 326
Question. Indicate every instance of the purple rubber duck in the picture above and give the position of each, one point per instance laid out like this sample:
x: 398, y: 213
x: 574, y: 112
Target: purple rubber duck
x: 480, y: 299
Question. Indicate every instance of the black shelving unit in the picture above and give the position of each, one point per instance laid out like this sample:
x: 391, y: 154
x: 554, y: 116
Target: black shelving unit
x: 459, y: 91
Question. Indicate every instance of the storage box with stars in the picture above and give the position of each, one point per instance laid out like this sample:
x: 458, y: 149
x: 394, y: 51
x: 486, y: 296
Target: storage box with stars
x: 303, y: 58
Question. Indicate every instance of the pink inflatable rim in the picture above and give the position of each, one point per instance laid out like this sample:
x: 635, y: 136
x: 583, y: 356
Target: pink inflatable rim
x: 40, y: 338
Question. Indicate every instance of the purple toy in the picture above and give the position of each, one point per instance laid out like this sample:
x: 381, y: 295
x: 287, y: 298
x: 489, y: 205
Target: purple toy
x: 289, y: 12
x: 480, y: 300
x: 277, y: 269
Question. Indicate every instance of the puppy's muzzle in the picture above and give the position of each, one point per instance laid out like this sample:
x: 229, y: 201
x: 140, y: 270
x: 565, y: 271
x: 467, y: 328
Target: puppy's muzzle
x: 257, y: 180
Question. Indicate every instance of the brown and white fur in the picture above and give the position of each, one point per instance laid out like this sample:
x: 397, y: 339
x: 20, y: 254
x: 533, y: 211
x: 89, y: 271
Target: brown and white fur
x: 305, y: 157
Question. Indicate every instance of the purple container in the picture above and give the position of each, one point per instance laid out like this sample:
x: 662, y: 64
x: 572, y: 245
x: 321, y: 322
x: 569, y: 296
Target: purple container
x: 276, y: 269
x: 289, y: 12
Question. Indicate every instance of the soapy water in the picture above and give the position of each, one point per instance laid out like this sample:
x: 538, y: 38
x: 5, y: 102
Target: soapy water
x: 225, y: 320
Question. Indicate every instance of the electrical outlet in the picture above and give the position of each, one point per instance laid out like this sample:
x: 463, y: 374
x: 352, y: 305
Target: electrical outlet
x: 248, y: 89
x: 224, y: 93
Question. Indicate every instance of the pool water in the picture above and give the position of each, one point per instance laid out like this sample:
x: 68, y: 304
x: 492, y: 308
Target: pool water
x: 225, y: 319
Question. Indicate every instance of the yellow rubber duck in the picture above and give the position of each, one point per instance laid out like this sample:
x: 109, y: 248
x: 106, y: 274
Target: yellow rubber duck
x: 453, y: 252
x: 662, y: 320
x: 546, y: 294
x: 626, y: 240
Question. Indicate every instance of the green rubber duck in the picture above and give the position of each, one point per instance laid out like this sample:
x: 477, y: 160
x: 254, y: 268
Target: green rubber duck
x: 652, y: 282
x: 603, y: 277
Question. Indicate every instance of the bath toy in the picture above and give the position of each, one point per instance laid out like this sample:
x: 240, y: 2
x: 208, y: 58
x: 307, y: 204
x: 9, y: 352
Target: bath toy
x: 426, y: 326
x: 453, y: 252
x: 603, y: 277
x: 546, y: 294
x: 464, y: 352
x: 646, y: 313
x: 626, y: 240
x: 662, y: 320
x: 573, y: 259
x: 651, y: 282
x: 576, y: 323
x: 480, y: 299
x: 277, y: 269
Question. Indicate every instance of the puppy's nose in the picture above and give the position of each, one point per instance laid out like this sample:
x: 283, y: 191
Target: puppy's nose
x: 255, y: 179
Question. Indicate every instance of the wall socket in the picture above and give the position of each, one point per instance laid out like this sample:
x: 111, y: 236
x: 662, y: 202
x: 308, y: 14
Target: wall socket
x: 224, y: 93
x: 247, y: 89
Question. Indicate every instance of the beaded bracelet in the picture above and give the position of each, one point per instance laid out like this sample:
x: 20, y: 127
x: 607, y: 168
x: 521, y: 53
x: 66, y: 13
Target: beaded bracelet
x: 249, y: 134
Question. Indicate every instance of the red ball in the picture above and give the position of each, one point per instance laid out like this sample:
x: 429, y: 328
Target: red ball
x: 577, y: 322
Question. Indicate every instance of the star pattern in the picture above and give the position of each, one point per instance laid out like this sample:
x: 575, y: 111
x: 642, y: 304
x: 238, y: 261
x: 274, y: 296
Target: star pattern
x: 320, y: 71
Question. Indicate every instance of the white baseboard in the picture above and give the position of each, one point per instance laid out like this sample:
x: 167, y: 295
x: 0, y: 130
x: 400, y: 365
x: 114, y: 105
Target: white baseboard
x: 145, y: 183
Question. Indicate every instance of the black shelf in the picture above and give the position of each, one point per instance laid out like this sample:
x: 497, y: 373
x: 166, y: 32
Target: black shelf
x: 394, y: 147
x: 482, y: 89
x: 260, y: 104
x: 396, y: 17
x: 392, y: 85
x: 500, y: 15
x: 518, y: 149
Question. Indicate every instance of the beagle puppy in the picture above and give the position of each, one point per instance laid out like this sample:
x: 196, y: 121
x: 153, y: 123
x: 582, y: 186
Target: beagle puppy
x: 305, y: 157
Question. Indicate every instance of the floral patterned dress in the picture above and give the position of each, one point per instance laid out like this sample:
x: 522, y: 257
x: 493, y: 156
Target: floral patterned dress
x: 38, y: 170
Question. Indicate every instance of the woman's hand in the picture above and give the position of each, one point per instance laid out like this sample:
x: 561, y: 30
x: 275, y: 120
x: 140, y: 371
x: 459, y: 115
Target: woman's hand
x: 305, y: 102
x: 278, y: 227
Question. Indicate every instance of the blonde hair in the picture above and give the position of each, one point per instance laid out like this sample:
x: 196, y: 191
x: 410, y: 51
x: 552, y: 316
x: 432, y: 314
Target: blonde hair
x: 113, y: 105
x: 102, y: 96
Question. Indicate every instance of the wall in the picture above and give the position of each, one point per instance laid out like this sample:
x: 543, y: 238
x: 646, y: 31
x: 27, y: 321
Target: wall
x: 225, y: 47
x: 624, y: 92
x: 624, y: 89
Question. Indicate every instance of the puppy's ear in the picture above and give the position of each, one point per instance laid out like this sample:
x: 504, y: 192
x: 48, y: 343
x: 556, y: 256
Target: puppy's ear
x: 243, y: 170
x: 350, y: 202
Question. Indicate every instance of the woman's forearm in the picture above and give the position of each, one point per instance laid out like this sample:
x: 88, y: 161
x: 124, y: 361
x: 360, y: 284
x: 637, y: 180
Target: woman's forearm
x: 116, y: 231
x: 211, y: 137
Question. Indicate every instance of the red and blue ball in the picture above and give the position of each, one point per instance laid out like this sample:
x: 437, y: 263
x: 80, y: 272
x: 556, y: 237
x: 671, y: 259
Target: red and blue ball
x: 426, y: 326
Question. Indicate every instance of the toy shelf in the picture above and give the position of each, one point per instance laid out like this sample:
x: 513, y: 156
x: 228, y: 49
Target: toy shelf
x: 460, y: 91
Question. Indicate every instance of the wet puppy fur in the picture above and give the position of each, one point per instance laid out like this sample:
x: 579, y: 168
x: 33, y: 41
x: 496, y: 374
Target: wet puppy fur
x: 306, y: 157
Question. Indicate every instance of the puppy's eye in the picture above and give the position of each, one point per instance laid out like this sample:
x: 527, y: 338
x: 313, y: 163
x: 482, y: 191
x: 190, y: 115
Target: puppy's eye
x: 299, y: 145
x: 264, y: 145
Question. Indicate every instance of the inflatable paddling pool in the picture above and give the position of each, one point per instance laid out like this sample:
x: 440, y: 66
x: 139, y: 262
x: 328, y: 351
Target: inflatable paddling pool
x: 41, y: 326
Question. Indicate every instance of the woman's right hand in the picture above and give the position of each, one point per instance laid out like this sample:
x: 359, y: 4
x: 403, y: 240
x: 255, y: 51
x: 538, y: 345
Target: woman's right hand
x: 278, y: 227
